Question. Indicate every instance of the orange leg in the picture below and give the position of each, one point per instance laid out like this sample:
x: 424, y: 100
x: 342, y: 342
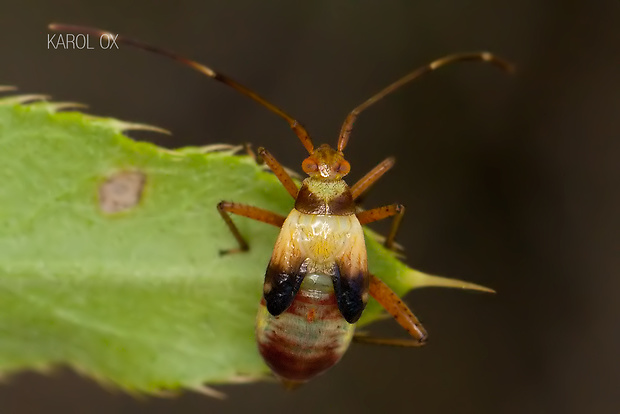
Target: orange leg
x: 373, y: 175
x: 278, y: 170
x: 226, y: 207
x: 380, y: 213
x: 401, y: 313
x: 247, y: 147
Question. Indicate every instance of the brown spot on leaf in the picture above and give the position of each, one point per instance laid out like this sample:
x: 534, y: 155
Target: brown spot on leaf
x: 121, y: 191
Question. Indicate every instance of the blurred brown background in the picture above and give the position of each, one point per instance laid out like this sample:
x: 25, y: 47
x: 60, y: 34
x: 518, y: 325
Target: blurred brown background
x: 511, y: 182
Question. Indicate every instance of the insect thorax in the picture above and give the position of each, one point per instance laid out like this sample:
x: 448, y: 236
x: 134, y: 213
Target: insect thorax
x: 321, y: 196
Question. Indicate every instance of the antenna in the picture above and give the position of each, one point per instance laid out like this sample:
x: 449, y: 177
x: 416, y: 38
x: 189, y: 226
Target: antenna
x: 347, y: 126
x: 297, y: 128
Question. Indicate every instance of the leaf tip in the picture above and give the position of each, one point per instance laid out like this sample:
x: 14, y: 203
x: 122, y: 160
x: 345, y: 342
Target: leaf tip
x: 419, y: 279
x: 209, y: 392
x: 22, y: 99
x: 130, y: 126
x: 63, y: 106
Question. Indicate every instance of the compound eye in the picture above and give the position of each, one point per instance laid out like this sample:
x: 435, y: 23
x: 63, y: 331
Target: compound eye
x: 343, y: 168
x: 309, y: 166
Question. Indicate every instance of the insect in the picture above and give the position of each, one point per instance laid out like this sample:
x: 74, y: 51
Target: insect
x: 317, y: 282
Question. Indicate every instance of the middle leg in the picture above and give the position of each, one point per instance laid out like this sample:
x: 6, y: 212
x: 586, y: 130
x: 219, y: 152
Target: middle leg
x: 380, y: 213
x: 226, y: 207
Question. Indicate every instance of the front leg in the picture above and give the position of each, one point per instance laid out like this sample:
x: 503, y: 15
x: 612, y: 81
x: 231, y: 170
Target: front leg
x: 226, y: 207
x: 263, y: 156
x: 380, y: 213
x: 371, y: 177
x: 279, y: 171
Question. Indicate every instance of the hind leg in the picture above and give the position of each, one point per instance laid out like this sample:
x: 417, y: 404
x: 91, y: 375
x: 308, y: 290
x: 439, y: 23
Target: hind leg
x: 400, y: 312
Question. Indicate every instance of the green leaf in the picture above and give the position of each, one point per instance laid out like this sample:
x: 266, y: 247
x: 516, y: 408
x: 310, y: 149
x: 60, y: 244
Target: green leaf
x: 135, y: 294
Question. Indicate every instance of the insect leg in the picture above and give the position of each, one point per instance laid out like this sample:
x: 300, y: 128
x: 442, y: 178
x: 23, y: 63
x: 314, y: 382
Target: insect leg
x: 373, y: 340
x: 373, y: 175
x: 279, y: 171
x: 380, y: 213
x: 247, y: 148
x: 401, y: 313
x: 226, y: 207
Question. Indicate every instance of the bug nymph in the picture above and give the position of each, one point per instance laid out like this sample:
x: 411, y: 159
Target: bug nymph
x: 317, y: 281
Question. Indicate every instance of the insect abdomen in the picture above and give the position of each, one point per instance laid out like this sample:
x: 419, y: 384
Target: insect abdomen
x: 309, y: 337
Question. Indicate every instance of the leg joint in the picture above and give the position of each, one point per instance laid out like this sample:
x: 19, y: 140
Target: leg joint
x: 222, y: 205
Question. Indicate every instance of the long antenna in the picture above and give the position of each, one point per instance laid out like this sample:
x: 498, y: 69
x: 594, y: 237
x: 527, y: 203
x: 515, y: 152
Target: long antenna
x: 299, y: 130
x: 347, y: 126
